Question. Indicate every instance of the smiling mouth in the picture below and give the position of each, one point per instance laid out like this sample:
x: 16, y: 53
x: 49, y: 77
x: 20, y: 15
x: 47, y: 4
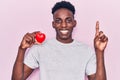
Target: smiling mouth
x: 64, y: 31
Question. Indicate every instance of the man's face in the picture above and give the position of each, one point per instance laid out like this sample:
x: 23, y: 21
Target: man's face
x: 64, y: 23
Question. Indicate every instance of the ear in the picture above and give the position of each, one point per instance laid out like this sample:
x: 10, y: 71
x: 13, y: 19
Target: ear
x: 75, y: 22
x: 53, y: 24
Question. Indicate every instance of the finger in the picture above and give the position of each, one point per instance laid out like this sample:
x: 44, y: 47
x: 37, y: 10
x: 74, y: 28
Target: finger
x: 29, y: 37
x: 102, y: 37
x: 97, y: 28
x: 101, y: 33
x: 28, y: 40
x: 96, y: 38
x: 34, y: 35
x: 105, y: 39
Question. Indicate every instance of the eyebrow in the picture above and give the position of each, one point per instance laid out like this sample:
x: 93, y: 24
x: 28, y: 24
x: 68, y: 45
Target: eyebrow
x: 65, y: 18
x: 69, y: 18
x: 57, y: 18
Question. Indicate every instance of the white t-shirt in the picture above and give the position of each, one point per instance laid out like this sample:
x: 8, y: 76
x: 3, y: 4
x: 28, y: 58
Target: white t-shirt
x: 59, y: 61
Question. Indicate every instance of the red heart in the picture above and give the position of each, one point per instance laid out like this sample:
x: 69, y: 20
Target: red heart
x: 40, y: 37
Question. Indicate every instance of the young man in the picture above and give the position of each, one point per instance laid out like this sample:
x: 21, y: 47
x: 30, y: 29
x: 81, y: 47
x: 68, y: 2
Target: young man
x: 62, y: 58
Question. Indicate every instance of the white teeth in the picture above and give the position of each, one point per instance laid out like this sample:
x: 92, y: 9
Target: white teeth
x: 64, y: 31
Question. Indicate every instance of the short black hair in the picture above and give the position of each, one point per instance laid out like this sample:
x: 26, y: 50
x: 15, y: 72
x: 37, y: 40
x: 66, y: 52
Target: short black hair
x: 63, y: 4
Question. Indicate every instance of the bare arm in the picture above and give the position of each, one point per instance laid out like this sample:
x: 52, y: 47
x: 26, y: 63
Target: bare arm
x: 100, y: 43
x: 20, y: 70
x: 100, y: 70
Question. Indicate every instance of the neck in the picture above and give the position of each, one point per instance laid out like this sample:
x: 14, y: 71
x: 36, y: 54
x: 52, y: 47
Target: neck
x: 65, y: 40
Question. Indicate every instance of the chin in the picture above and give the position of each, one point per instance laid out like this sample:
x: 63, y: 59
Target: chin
x: 65, y: 37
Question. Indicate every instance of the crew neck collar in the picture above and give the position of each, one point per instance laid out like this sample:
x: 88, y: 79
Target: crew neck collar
x: 58, y: 42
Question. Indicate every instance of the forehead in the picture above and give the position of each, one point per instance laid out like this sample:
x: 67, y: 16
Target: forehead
x: 63, y: 12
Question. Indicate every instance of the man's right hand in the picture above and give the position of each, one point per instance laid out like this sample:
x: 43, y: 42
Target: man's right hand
x: 20, y: 72
x: 28, y: 40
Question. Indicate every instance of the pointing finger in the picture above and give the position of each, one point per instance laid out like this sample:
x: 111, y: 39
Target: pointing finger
x: 97, y: 28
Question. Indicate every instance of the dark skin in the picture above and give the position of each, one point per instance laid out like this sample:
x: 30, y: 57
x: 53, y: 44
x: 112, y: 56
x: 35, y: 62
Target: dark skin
x: 63, y: 23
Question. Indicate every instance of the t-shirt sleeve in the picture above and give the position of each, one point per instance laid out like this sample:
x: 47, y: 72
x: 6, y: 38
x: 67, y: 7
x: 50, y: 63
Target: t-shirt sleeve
x: 31, y: 59
x: 91, y: 65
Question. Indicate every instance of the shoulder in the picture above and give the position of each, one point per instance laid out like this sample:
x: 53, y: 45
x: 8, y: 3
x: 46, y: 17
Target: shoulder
x: 85, y: 47
x: 42, y: 45
x: 81, y: 44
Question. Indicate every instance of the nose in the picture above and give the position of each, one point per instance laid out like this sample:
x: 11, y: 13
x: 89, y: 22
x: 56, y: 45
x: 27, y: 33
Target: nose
x: 64, y: 25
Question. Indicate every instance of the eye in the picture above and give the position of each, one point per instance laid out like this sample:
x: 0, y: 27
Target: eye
x: 68, y: 20
x: 58, y: 21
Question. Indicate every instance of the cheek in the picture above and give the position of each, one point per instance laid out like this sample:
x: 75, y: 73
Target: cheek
x: 57, y: 26
x: 71, y: 24
x: 57, y: 29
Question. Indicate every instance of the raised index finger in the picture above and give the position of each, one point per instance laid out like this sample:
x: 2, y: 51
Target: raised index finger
x: 97, y: 28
